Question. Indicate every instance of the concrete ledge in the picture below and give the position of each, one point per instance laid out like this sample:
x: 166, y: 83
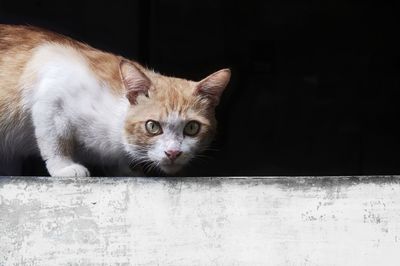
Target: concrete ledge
x: 200, y: 221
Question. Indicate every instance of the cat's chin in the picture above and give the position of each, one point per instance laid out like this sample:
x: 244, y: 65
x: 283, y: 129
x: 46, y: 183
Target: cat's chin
x: 171, y: 169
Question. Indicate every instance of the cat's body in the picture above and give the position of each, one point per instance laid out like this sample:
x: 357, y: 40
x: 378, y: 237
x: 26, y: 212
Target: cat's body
x: 73, y: 104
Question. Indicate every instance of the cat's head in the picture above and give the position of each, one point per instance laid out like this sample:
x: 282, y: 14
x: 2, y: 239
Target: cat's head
x: 170, y: 120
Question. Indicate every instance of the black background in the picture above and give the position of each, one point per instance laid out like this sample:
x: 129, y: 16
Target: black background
x: 315, y: 85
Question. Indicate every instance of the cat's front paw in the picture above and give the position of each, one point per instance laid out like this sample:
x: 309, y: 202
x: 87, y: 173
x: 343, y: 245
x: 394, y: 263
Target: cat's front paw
x: 73, y: 170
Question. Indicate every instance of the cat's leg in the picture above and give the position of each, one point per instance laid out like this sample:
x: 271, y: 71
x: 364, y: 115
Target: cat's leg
x: 54, y: 136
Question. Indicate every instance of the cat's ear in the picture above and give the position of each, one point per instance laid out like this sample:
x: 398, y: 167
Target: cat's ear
x: 135, y: 81
x: 214, y: 85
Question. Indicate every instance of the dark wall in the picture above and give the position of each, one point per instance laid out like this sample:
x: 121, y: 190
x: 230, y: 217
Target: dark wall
x: 315, y: 86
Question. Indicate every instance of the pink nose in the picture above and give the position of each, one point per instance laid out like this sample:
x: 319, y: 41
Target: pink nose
x: 173, y: 154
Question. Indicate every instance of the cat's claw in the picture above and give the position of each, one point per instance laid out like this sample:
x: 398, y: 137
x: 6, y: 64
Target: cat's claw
x: 74, y: 170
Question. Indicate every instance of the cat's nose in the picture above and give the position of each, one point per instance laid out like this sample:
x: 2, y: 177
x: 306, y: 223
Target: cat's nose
x: 172, y: 154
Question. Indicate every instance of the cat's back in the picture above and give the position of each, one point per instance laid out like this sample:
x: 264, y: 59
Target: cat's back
x: 20, y: 45
x: 16, y: 48
x: 25, y: 50
x: 13, y: 37
x: 17, y: 44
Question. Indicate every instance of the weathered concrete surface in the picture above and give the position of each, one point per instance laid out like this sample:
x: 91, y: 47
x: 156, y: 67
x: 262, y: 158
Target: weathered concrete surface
x: 210, y: 221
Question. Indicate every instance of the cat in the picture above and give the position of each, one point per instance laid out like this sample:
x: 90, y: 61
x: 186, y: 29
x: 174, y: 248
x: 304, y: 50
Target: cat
x: 75, y: 105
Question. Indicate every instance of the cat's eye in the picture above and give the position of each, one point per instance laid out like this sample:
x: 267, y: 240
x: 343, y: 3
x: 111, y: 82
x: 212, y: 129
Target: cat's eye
x: 153, y: 127
x: 192, y: 128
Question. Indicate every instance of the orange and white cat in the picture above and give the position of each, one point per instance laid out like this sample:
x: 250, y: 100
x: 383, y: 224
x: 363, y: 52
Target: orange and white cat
x: 74, y: 105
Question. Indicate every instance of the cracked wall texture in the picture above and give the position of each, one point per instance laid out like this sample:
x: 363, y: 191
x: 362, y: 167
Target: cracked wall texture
x: 200, y: 221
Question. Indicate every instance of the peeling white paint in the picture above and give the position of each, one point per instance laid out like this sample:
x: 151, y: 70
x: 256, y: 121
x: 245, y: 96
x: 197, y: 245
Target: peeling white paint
x: 221, y: 221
